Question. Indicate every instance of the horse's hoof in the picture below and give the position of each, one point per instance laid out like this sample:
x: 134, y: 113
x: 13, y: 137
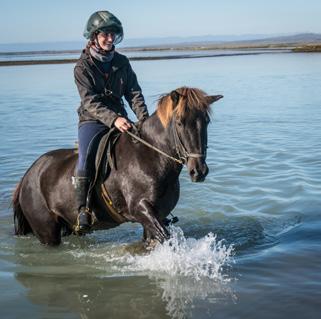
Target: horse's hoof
x: 151, y: 245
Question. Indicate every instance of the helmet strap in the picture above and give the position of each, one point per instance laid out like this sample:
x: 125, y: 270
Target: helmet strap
x: 98, y: 48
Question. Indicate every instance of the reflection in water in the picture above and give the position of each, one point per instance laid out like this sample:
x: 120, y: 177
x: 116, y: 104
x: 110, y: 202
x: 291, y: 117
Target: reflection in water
x: 90, y: 297
x: 182, y: 294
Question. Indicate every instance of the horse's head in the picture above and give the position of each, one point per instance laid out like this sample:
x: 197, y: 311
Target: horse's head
x: 186, y: 112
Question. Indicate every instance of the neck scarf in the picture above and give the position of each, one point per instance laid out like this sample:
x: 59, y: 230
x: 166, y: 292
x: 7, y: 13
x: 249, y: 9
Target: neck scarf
x: 101, y: 55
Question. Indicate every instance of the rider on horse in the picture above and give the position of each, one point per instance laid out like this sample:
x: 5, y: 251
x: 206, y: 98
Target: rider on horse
x: 103, y: 76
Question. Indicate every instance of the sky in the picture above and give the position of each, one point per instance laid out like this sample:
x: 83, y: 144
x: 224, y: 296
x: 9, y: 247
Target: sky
x: 25, y: 21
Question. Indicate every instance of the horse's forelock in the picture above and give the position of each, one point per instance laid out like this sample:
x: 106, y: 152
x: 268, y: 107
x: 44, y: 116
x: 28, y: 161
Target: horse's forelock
x: 165, y: 109
x: 189, y: 99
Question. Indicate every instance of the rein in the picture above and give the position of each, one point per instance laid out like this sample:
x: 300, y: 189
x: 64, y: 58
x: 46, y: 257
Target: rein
x: 154, y: 148
x: 179, y: 146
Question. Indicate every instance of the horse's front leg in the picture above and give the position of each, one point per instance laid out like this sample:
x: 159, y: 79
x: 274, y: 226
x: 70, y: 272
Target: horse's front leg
x: 153, y: 228
x: 148, y: 239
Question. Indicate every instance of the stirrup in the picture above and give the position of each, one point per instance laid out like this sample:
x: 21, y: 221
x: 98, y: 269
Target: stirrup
x: 84, y: 228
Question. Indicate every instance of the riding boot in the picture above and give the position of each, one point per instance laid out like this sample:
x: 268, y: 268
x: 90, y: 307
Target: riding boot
x: 84, y: 217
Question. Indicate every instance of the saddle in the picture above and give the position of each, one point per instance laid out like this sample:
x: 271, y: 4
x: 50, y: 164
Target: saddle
x: 100, y: 157
x: 101, y: 160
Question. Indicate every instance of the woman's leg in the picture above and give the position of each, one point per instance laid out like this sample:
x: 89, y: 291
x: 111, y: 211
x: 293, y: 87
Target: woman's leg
x: 86, y: 133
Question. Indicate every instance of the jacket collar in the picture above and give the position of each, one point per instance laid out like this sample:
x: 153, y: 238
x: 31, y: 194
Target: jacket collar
x: 117, y: 62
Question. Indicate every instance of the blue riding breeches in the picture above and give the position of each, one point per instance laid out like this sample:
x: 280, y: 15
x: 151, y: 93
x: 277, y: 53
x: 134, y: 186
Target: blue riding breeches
x: 86, y: 135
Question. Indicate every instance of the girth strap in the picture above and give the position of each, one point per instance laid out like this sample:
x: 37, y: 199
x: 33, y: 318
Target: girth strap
x: 113, y: 213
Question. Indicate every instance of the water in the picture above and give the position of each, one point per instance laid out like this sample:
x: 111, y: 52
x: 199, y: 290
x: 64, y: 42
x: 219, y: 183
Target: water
x: 248, y: 241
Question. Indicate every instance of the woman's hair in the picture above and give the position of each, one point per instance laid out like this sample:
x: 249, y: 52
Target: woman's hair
x: 90, y: 43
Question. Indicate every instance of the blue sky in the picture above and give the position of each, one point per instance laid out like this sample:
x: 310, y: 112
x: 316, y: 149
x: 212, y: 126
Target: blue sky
x: 64, y: 20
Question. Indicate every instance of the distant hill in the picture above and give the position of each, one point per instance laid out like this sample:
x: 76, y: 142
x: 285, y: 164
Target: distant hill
x: 175, y: 42
x: 195, y: 39
x: 231, y: 41
x: 289, y: 39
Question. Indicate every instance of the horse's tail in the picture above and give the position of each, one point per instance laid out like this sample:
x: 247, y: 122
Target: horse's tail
x: 21, y: 225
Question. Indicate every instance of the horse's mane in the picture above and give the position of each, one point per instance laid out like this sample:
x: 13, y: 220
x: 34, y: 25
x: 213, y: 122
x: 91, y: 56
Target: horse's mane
x: 189, y: 99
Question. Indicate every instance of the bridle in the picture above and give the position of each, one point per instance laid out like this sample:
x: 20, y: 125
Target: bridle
x: 180, y: 148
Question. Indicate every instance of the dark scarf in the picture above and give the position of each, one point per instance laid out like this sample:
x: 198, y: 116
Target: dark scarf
x: 102, y: 55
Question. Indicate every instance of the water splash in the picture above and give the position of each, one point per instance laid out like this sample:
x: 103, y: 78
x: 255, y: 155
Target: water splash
x: 206, y: 257
x: 187, y: 269
x: 196, y: 258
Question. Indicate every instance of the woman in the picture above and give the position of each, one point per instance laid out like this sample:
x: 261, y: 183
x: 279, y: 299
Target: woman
x: 103, y: 76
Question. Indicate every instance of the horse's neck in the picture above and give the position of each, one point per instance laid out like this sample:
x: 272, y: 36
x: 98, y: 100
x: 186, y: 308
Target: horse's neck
x: 153, y: 132
x: 160, y: 137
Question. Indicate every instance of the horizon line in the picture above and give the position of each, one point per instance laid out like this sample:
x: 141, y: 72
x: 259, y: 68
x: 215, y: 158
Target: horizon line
x: 174, y: 37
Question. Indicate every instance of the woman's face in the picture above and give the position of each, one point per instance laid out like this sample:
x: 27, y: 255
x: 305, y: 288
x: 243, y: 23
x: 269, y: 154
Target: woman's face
x: 106, y: 40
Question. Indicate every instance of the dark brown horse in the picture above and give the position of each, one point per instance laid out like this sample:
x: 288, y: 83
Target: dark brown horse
x: 144, y: 188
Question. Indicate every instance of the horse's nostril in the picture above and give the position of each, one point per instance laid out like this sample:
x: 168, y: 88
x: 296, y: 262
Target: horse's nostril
x: 194, y: 173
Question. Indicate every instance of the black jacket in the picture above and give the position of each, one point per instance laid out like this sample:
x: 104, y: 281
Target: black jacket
x: 101, y: 94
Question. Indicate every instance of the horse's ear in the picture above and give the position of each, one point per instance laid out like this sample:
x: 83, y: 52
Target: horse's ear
x: 175, y: 97
x: 213, y: 98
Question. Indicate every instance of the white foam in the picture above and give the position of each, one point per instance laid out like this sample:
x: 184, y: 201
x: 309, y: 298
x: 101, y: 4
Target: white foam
x: 196, y: 258
x: 179, y: 256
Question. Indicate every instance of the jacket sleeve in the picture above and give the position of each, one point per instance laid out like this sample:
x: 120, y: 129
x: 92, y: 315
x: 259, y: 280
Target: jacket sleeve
x: 134, y: 96
x: 92, y: 102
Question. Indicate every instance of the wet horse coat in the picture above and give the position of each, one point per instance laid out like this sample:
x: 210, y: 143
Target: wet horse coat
x: 144, y: 188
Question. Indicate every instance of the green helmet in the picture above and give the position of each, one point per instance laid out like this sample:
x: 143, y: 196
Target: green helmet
x: 104, y: 21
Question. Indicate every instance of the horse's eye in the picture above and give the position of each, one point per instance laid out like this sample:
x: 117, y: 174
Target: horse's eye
x: 179, y: 123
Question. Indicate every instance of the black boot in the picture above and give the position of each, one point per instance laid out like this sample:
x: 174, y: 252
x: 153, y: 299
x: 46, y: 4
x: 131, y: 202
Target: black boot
x: 84, y: 217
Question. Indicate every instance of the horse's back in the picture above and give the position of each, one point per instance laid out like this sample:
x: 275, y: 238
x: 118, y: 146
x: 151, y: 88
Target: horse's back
x: 62, y: 159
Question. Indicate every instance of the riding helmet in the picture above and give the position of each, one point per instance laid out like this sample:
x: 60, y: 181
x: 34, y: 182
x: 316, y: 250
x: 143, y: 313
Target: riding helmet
x: 104, y: 21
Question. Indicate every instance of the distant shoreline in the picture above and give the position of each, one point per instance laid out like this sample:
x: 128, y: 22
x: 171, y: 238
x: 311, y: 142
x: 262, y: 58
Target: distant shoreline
x: 147, y: 58
x: 308, y: 48
x: 264, y: 49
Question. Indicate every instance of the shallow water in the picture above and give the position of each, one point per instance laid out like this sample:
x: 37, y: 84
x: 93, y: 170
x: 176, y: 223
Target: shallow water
x: 252, y: 230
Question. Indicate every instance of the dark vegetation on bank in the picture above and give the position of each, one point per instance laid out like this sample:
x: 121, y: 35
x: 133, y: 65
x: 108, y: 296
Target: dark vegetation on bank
x: 308, y: 48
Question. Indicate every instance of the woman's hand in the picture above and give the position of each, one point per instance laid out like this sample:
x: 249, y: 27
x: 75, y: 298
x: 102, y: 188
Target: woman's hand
x: 122, y: 124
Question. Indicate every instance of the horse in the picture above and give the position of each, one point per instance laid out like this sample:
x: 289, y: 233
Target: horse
x: 143, y: 187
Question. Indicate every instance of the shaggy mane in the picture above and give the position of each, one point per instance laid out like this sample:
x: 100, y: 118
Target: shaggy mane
x: 189, y: 99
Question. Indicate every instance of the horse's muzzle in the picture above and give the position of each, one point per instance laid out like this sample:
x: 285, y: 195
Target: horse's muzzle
x: 197, y: 169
